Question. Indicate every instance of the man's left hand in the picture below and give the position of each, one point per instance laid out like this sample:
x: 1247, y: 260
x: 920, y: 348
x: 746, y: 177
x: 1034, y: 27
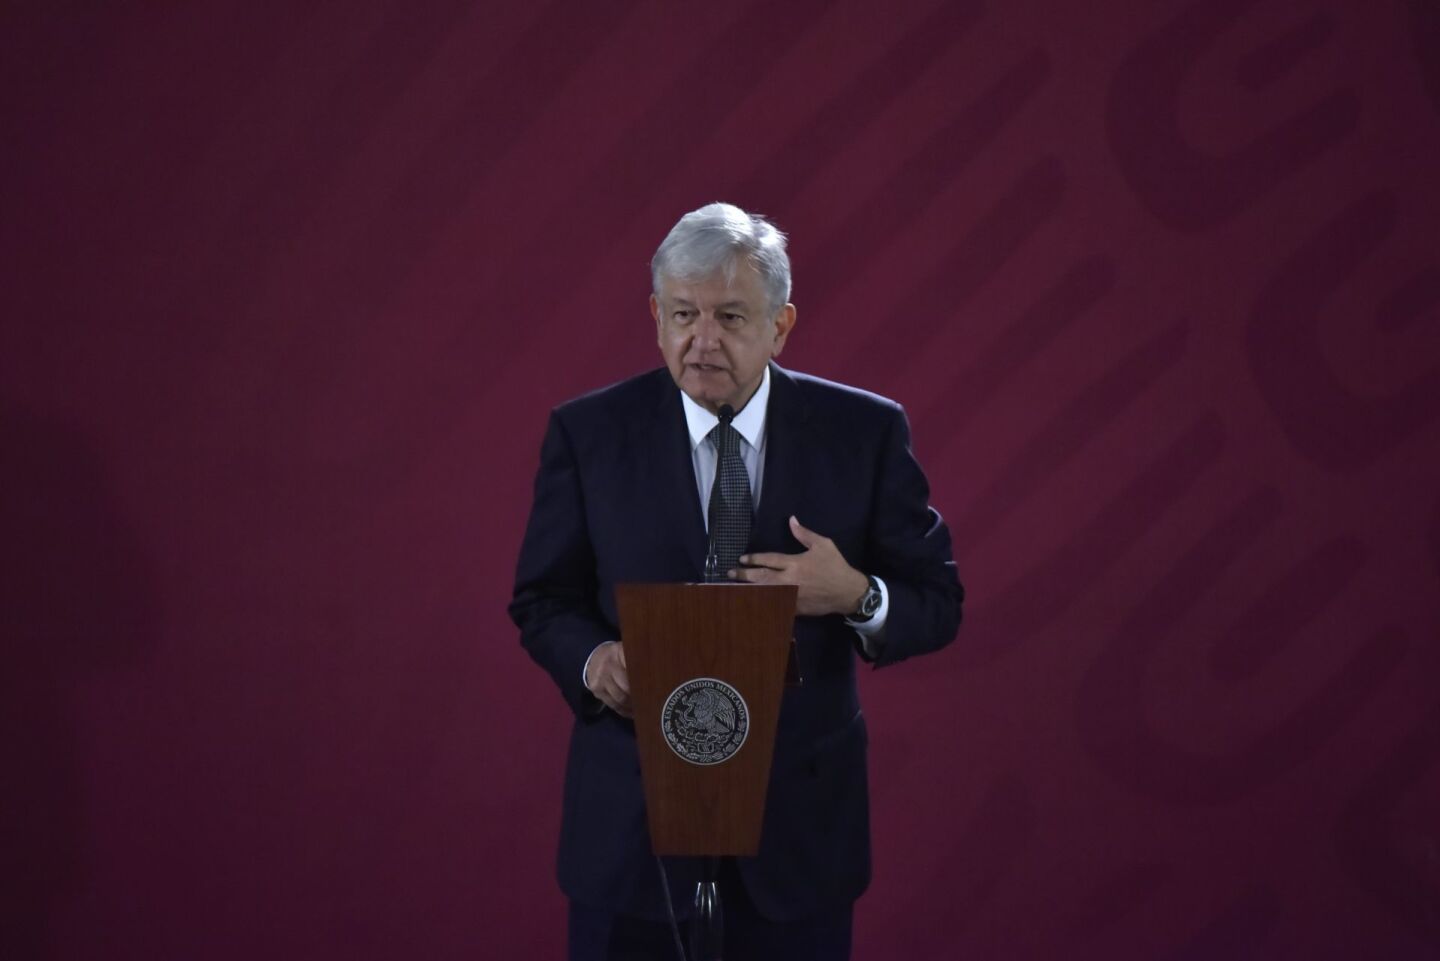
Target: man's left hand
x: 828, y: 584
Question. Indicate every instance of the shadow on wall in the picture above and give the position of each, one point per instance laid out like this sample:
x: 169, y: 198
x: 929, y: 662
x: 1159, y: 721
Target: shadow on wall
x: 76, y: 598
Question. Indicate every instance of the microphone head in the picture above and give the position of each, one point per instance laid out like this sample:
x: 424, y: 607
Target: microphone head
x: 726, y: 413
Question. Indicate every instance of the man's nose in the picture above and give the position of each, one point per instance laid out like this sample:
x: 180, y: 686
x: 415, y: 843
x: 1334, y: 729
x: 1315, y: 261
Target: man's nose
x: 707, y: 334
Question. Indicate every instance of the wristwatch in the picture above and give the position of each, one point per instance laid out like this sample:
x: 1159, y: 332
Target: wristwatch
x: 869, y: 602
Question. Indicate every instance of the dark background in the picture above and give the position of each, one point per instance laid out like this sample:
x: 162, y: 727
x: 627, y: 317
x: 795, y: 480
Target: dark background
x: 288, y: 291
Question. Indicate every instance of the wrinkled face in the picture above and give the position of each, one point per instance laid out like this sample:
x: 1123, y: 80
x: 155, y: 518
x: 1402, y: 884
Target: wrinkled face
x: 717, y: 336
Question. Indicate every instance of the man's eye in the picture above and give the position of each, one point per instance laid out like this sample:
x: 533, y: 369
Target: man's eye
x: 732, y: 320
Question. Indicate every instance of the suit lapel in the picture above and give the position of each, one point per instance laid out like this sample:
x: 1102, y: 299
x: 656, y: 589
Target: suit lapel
x: 671, y: 476
x: 784, y: 482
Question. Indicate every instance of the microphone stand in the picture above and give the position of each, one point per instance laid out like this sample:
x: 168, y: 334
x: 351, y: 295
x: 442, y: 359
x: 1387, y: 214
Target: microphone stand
x: 707, y: 926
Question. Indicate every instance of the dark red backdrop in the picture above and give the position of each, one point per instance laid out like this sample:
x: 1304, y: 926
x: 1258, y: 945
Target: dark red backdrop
x: 288, y: 294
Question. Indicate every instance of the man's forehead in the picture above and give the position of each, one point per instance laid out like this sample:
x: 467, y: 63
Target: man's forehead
x: 741, y: 288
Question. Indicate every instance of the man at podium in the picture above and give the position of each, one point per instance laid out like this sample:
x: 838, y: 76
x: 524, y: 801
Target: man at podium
x: 723, y: 463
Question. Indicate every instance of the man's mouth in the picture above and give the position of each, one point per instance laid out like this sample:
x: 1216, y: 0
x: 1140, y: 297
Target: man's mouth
x: 706, y: 368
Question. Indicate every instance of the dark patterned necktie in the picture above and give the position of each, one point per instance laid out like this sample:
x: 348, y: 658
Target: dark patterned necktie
x: 730, y: 504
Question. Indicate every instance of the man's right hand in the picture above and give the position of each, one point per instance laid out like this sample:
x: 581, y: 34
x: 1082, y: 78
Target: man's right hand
x: 607, y: 678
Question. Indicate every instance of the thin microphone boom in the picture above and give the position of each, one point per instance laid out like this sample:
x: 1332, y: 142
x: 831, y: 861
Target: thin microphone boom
x: 726, y: 413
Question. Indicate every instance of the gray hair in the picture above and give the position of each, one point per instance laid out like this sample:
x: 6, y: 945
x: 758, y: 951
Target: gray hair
x: 717, y: 237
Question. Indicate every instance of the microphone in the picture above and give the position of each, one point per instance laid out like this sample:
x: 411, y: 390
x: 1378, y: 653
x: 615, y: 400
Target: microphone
x: 726, y: 413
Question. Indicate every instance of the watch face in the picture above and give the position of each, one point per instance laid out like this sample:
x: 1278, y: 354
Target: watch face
x: 871, y: 602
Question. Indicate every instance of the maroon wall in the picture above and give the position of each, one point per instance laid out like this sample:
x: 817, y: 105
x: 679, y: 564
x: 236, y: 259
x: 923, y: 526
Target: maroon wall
x: 287, y: 295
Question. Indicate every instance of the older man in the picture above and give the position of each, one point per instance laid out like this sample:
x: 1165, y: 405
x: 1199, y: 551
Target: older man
x: 723, y: 462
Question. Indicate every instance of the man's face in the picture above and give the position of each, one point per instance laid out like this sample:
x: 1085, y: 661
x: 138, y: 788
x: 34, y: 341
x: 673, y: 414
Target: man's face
x: 717, y: 336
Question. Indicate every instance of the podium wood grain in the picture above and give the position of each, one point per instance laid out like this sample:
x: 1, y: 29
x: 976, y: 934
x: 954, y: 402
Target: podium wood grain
x: 736, y: 633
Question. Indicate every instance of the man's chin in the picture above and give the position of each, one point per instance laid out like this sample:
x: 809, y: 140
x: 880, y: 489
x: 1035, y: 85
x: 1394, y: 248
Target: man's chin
x: 706, y: 395
x: 712, y: 404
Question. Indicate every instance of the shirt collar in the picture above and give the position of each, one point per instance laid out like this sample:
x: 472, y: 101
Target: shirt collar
x: 750, y: 422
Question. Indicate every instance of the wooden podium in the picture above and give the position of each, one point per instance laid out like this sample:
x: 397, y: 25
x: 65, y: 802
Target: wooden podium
x: 707, y: 670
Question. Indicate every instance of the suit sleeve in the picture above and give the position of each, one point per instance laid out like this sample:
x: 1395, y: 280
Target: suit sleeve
x: 554, y: 603
x: 909, y: 546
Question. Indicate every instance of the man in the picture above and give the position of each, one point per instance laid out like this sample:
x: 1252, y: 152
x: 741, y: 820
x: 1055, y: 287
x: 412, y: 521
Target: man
x: 721, y: 460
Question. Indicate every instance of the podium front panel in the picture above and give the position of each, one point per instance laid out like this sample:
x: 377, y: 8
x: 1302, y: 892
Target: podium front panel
x: 707, y: 671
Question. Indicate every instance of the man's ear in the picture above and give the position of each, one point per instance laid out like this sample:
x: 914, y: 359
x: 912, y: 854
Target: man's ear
x: 784, y: 323
x: 655, y: 314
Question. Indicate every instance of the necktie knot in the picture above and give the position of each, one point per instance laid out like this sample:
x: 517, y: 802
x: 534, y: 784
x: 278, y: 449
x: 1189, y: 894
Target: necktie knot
x: 725, y: 438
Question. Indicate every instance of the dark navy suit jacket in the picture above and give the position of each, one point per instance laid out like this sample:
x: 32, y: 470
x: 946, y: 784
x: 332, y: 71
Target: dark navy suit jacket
x: 616, y: 501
